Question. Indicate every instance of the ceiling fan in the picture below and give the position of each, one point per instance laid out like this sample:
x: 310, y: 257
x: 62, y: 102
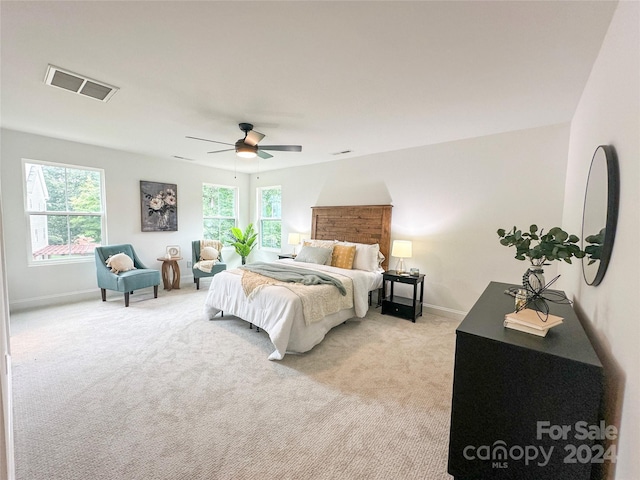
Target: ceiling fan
x: 248, y: 147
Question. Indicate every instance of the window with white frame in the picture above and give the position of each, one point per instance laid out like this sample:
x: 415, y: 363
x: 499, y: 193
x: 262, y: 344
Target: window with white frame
x: 219, y: 210
x: 270, y: 216
x: 65, y: 209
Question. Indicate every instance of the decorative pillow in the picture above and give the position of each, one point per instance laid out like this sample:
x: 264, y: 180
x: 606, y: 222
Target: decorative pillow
x: 317, y: 255
x: 343, y: 256
x: 209, y: 253
x: 329, y: 244
x: 120, y: 262
x: 319, y: 243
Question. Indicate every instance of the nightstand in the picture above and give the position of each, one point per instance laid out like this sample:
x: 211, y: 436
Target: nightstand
x: 286, y: 255
x: 409, y: 308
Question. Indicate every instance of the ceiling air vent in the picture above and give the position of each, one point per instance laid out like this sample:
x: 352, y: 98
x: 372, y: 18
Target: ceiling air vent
x: 57, y: 77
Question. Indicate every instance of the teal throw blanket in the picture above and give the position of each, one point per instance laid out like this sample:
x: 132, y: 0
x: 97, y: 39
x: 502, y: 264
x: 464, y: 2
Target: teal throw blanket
x: 291, y: 274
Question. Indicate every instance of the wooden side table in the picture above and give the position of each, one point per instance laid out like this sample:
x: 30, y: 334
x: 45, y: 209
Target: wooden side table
x: 171, y: 279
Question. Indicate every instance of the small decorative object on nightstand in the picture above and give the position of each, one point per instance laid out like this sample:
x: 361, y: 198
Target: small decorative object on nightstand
x: 409, y: 308
x: 286, y: 255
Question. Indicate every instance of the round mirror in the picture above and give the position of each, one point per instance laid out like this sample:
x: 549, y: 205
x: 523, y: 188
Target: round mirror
x: 600, y: 214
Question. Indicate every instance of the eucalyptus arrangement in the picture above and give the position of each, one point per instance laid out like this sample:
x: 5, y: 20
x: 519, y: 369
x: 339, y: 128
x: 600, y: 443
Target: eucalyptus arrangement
x: 244, y: 242
x: 540, y: 247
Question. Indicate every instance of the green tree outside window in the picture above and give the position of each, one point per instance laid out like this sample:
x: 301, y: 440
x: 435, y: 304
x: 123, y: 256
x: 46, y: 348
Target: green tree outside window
x: 270, y: 217
x: 219, y: 212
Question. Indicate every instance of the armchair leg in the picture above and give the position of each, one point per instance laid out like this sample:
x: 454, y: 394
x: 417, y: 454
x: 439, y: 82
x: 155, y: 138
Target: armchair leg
x: 126, y: 299
x: 103, y: 291
x: 197, y: 280
x: 155, y: 291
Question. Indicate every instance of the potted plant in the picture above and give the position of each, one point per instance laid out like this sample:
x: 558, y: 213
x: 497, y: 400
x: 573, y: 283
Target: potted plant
x: 244, y: 242
x: 540, y: 248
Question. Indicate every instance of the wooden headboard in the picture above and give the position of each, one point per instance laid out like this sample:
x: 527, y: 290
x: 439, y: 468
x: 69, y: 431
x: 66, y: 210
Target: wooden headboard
x: 359, y: 224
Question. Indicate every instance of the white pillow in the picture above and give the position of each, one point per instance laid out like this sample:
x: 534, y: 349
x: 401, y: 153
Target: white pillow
x: 209, y: 253
x: 366, y: 256
x: 120, y: 262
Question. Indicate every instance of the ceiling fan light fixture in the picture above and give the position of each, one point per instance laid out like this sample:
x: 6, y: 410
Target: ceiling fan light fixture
x: 244, y: 150
x: 246, y: 154
x: 247, y: 147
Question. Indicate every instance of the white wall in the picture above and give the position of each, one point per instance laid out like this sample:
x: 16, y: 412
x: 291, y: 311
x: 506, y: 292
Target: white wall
x: 44, y: 284
x: 609, y: 113
x: 449, y: 199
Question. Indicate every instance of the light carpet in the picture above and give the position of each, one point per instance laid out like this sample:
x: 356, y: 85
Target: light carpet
x: 156, y: 391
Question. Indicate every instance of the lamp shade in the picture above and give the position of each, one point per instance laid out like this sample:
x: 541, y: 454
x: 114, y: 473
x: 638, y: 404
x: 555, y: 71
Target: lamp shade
x: 294, y: 239
x: 401, y: 249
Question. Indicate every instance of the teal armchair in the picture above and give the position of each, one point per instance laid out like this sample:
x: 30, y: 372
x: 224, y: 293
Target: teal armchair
x: 125, y: 282
x: 195, y: 258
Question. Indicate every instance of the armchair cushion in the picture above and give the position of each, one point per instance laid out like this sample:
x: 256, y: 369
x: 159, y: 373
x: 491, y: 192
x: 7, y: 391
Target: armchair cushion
x: 120, y: 262
x: 209, y: 253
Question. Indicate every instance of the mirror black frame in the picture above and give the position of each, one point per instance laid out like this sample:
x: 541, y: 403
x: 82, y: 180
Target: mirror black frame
x: 613, y: 197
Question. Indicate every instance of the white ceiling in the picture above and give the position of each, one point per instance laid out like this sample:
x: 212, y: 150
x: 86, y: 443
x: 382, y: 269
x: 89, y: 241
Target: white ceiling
x: 330, y: 76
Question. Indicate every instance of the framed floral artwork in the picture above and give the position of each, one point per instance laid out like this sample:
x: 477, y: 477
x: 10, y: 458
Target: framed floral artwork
x: 159, y: 206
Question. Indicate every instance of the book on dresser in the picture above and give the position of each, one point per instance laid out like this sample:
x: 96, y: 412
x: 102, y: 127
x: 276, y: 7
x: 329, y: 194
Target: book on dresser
x: 531, y: 321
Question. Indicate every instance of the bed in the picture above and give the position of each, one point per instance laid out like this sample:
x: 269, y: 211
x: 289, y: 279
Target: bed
x: 283, y: 311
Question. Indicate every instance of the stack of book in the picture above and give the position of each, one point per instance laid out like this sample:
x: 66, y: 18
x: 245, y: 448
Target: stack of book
x: 529, y: 321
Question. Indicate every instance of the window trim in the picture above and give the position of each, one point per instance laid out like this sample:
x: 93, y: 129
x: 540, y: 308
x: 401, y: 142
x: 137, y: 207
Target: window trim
x: 31, y: 262
x: 236, y: 199
x: 260, y: 218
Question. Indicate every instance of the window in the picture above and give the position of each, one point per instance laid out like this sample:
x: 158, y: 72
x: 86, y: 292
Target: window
x: 65, y: 210
x: 219, y: 211
x: 270, y: 216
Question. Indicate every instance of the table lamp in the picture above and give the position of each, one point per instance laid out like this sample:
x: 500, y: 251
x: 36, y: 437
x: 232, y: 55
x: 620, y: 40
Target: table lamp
x: 402, y: 250
x: 294, y: 239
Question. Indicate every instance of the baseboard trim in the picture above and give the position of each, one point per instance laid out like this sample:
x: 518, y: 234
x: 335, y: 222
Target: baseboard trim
x: 62, y: 298
x: 55, y: 299
x: 58, y: 299
x: 444, y: 311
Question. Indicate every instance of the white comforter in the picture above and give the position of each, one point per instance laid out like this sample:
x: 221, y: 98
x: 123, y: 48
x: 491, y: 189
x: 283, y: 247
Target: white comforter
x: 278, y: 311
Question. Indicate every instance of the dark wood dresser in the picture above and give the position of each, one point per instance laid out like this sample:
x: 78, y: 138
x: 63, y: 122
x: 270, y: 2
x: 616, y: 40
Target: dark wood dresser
x: 516, y: 395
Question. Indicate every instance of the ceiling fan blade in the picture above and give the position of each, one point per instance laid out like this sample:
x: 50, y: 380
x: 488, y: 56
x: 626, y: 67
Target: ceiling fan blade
x: 184, y: 158
x: 253, y: 137
x: 225, y: 150
x: 205, y: 140
x: 264, y: 155
x: 282, y: 148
